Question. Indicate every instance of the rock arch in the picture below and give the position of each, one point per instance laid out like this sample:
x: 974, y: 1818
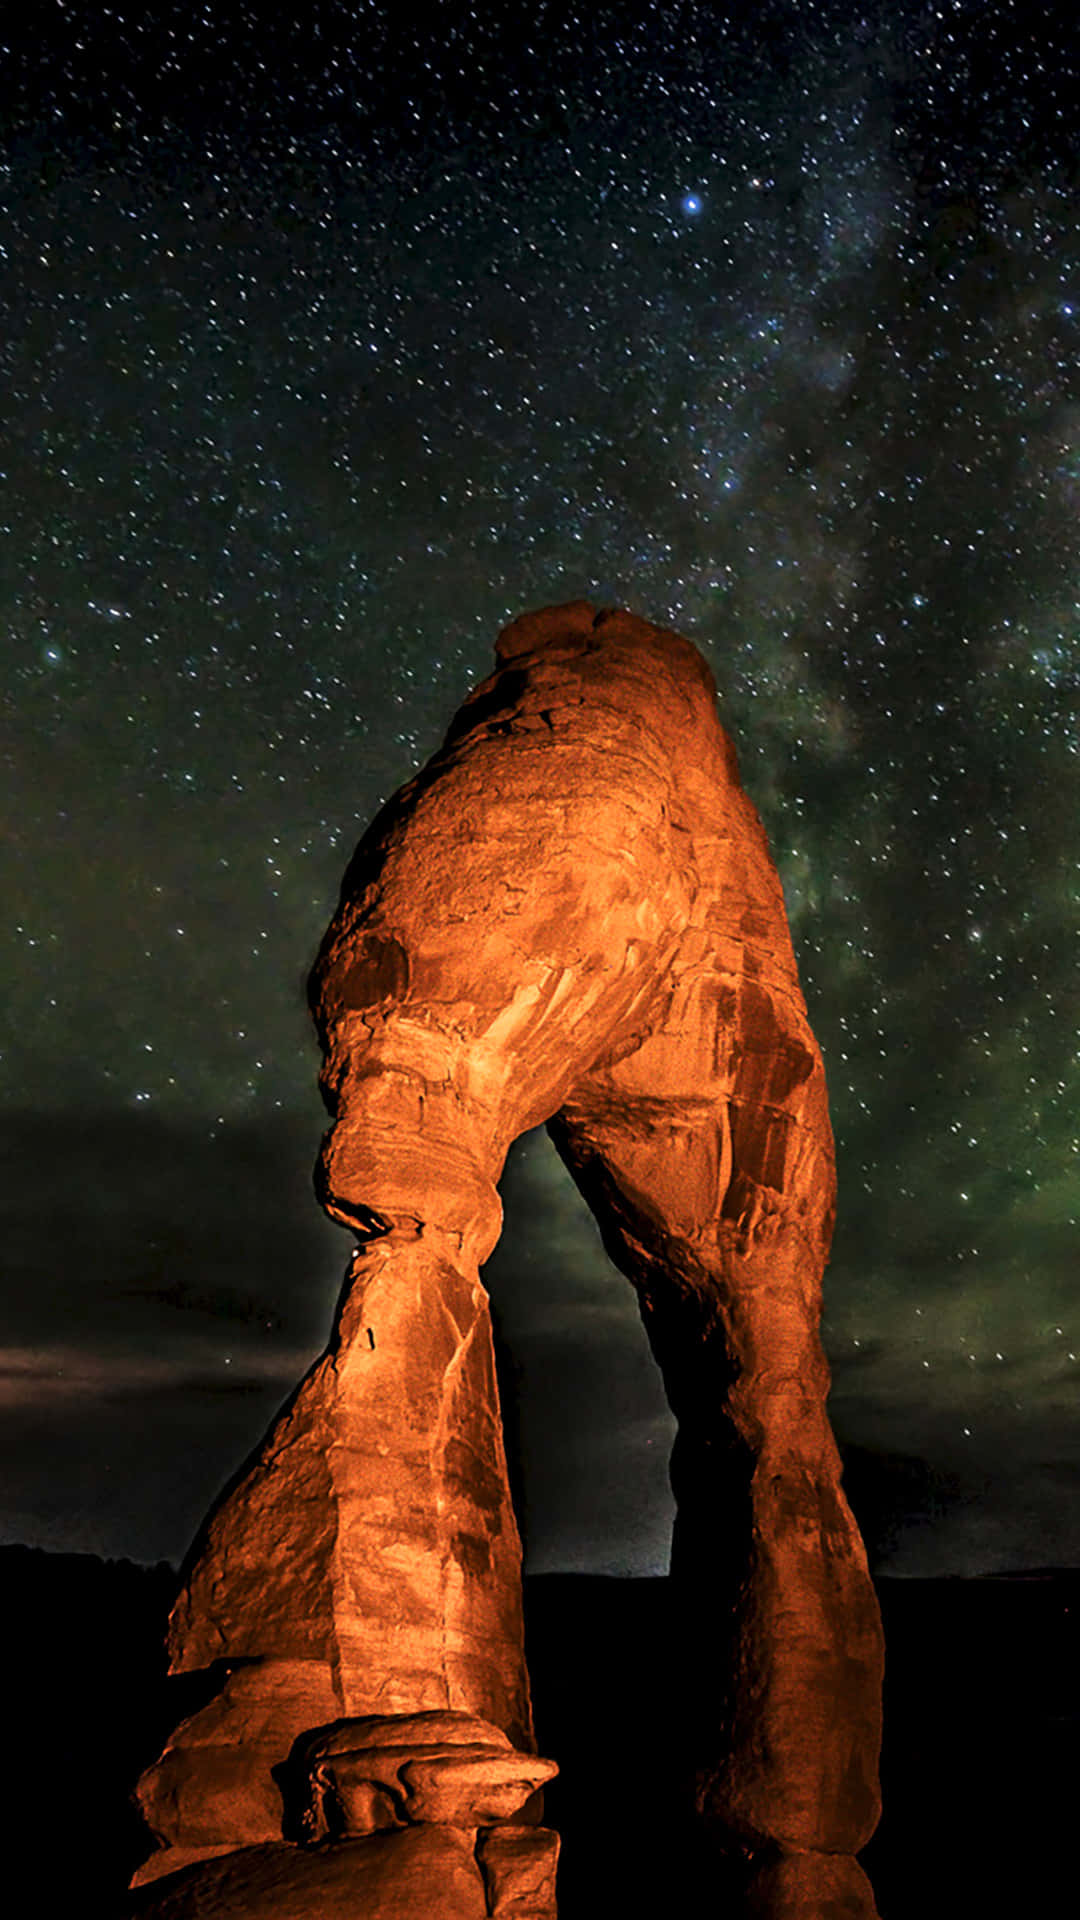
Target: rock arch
x: 571, y: 917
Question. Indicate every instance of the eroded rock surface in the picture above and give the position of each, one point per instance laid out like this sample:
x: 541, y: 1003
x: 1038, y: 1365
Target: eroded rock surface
x: 519, y: 1865
x: 569, y: 916
x: 417, y: 1874
x: 356, y: 1797
x: 809, y: 1886
x: 439, y: 1769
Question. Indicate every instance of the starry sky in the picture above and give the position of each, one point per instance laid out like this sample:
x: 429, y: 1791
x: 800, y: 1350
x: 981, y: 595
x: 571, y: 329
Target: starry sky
x: 330, y: 341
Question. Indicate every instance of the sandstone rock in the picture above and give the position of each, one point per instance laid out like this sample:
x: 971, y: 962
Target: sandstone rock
x: 519, y: 1865
x: 370, y: 1554
x: 214, y: 1786
x: 421, y: 1873
x: 809, y: 1886
x: 473, y: 1787
x: 405, y: 1730
x: 436, y: 1768
x: 569, y: 916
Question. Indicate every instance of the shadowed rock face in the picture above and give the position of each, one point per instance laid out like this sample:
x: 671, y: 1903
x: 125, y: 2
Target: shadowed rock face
x: 569, y: 916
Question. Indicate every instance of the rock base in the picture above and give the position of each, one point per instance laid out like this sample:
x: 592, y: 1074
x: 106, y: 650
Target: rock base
x: 502, y: 1873
x: 395, y: 1817
x: 809, y: 1886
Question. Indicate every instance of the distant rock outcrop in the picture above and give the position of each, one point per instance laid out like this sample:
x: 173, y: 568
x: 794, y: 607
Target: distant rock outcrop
x: 570, y: 916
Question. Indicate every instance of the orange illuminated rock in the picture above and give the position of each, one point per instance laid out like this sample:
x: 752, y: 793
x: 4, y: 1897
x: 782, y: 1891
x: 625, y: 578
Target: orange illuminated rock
x: 570, y: 916
x: 518, y: 1864
x: 438, y: 1769
x: 422, y: 1873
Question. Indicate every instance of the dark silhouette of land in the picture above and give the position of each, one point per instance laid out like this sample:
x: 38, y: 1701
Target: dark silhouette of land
x: 980, y: 1766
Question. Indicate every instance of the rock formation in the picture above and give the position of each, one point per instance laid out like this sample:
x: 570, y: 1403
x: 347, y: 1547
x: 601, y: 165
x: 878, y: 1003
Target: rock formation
x: 570, y: 916
x: 808, y: 1886
x: 398, y: 1816
x: 421, y: 1769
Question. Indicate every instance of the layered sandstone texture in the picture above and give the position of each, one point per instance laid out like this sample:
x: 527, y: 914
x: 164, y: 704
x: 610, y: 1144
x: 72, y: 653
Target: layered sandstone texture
x: 570, y: 916
x: 436, y: 1769
x: 418, y: 1873
x: 389, y: 1816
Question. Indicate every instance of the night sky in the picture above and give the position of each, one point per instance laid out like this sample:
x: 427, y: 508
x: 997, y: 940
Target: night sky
x: 328, y: 345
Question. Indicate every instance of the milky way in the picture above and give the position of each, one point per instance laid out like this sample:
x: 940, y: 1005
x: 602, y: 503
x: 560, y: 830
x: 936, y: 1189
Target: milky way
x: 327, y: 348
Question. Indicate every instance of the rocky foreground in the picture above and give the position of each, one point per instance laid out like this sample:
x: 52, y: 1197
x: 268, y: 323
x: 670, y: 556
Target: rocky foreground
x: 980, y: 1761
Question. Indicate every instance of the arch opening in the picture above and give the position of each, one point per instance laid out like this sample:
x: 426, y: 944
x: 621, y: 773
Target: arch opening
x: 588, y: 1427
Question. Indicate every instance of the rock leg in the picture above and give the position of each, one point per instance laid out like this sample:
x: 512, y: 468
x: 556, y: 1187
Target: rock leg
x: 781, y: 1629
x: 367, y: 1559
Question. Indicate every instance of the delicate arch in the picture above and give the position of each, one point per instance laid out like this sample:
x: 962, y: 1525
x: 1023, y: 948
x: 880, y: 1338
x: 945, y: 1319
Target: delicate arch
x: 570, y: 916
